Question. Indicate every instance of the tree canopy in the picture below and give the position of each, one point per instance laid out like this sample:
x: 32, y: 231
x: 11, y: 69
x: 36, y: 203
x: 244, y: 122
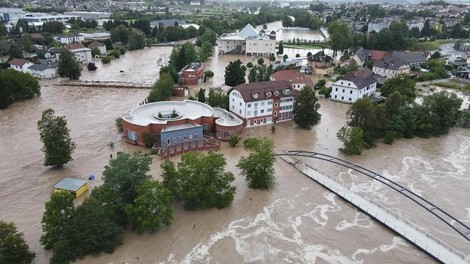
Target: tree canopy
x: 13, y: 248
x: 68, y: 67
x: 306, y: 108
x: 402, y: 84
x: 55, y: 136
x: 340, y: 38
x: 162, y: 89
x: 199, y: 180
x: 15, y: 86
x: 234, y: 74
x: 258, y: 166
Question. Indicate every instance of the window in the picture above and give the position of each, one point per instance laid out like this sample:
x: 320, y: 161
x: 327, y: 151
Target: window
x: 168, y: 142
x: 256, y: 104
x: 248, y: 113
x: 262, y: 111
x: 343, y: 90
x: 341, y: 83
x: 240, y: 111
x: 350, y: 92
x: 275, y: 113
x: 336, y: 89
x: 185, y: 138
x: 350, y: 99
x: 262, y: 103
x: 240, y: 103
x: 349, y: 84
x: 174, y: 139
x: 336, y: 96
x: 275, y: 105
x: 249, y: 105
x: 256, y: 112
x: 233, y: 107
x: 269, y: 110
x: 270, y: 102
x: 342, y: 97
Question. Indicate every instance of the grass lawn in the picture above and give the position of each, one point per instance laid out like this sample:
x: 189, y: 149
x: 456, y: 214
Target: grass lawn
x: 430, y: 45
x: 454, y: 85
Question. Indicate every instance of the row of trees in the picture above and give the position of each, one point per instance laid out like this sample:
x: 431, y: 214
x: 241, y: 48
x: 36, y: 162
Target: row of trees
x: 129, y: 197
x: 216, y: 97
x: 399, y: 117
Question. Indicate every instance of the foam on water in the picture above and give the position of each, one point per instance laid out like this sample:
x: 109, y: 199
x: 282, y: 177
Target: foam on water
x: 360, y: 220
x: 396, y: 242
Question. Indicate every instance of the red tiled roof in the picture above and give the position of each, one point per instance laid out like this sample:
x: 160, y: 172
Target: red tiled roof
x: 265, y: 90
x: 292, y: 76
x: 96, y: 44
x: 18, y: 62
x: 74, y: 46
x: 377, y: 54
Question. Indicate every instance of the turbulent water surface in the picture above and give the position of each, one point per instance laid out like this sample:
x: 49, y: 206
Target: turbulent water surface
x: 297, y: 222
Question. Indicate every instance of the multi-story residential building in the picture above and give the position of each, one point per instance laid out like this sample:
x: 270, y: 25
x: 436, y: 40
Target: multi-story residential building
x: 82, y: 53
x: 248, y: 41
x: 69, y: 39
x: 296, y: 79
x: 378, y: 25
x: 354, y: 86
x: 263, y: 102
x: 191, y: 74
x: 390, y: 67
x: 413, y: 58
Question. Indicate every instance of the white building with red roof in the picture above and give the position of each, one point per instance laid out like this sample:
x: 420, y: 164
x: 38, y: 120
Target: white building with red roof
x: 82, y: 53
x: 19, y: 64
x: 296, y: 79
x: 263, y: 103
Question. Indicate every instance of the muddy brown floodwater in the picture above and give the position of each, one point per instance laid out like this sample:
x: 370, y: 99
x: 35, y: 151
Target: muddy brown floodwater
x: 297, y: 222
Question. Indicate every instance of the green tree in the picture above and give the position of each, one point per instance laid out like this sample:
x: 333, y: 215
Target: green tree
x: 234, y: 75
x: 201, y: 95
x: 285, y: 57
x: 205, y: 51
x: 445, y: 107
x: 352, y: 139
x: 287, y: 22
x: 68, y: 67
x: 14, y: 52
x: 170, y: 69
x: 253, y: 75
x: 26, y: 43
x: 95, y: 229
x: 95, y: 51
x: 218, y: 98
x: 148, y: 138
x: 340, y: 37
x: 233, y: 139
x: 15, y: 86
x: 13, y: 248
x: 55, y: 136
x: 402, y: 84
x: 57, y: 220
x: 258, y: 166
x: 280, y: 50
x: 151, y: 208
x: 306, y: 108
x: 208, y: 74
x: 161, y: 89
x: 124, y: 173
x: 136, y: 40
x: 260, y: 61
x: 199, y: 181
x: 53, y: 27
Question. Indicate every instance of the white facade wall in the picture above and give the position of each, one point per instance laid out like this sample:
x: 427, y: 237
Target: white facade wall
x: 389, y: 73
x: 69, y: 39
x: 237, y: 104
x: 23, y: 68
x: 83, y: 55
x: 226, y: 45
x: 348, y: 92
x: 45, y: 74
x: 260, y: 46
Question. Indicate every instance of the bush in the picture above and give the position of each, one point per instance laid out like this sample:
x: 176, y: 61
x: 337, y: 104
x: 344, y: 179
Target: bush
x: 118, y: 124
x: 122, y: 50
x: 249, y: 65
x: 106, y: 59
x: 233, y: 139
x: 389, y: 137
x: 115, y: 53
x: 148, y: 138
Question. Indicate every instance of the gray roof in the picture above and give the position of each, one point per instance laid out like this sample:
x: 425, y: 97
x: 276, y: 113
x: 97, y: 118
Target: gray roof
x: 391, y: 63
x: 43, y: 66
x: 410, y: 56
x: 167, y: 22
x: 361, y: 79
x: 248, y: 31
x: 70, y: 184
x: 361, y: 54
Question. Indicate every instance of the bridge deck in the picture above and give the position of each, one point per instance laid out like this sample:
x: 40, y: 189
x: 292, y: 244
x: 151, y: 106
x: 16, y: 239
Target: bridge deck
x: 404, y: 228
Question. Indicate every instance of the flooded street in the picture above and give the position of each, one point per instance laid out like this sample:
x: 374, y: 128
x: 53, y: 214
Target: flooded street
x: 297, y: 222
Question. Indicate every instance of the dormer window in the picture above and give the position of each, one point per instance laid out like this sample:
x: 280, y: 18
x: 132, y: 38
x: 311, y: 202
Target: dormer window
x: 286, y: 91
x: 269, y: 94
x: 255, y: 95
x: 276, y: 93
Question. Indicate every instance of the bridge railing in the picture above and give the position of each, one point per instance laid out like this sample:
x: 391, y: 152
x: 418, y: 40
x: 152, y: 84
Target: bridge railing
x: 387, y: 210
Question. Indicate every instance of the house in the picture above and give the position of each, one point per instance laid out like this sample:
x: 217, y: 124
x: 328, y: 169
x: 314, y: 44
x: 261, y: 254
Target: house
x: 321, y: 63
x: 82, y: 53
x: 69, y: 39
x: 44, y: 70
x: 296, y: 79
x: 166, y: 23
x: 354, y: 86
x: 413, y: 58
x: 390, y: 67
x: 378, y: 25
x: 262, y: 103
x: 191, y: 74
x: 19, y: 64
x: 248, y: 41
x: 99, y: 45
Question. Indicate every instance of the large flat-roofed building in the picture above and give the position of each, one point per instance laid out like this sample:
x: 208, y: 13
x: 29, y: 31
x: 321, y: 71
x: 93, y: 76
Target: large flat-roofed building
x: 247, y: 42
x: 39, y: 20
x: 263, y: 102
x: 177, y: 123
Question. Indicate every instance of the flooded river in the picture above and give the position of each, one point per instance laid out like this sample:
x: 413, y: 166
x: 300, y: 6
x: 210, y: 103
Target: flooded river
x: 297, y: 222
